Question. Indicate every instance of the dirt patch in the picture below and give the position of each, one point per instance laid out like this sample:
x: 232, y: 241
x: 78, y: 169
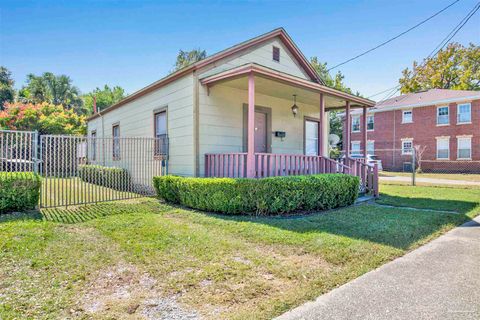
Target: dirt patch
x: 124, y: 291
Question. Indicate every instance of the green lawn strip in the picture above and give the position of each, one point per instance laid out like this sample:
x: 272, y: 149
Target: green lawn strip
x: 232, y: 267
x: 464, y: 201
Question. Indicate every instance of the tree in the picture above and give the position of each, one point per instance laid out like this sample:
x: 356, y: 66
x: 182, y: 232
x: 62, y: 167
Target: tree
x: 57, y: 90
x: 43, y: 117
x: 336, y: 82
x: 105, y: 97
x: 185, y: 58
x: 7, y: 92
x: 419, y: 151
x: 455, y: 67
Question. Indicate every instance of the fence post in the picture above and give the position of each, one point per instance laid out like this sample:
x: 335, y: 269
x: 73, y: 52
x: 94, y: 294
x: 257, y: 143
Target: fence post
x: 375, y: 180
x: 35, y: 152
x: 413, y: 166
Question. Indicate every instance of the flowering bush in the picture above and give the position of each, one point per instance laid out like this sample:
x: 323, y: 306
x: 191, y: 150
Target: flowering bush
x: 43, y: 117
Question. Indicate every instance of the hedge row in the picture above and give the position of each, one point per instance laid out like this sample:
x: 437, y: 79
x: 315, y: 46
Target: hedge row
x: 269, y: 196
x: 110, y: 177
x: 19, y: 191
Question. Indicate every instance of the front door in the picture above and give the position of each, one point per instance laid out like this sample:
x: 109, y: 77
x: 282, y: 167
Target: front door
x: 260, y: 132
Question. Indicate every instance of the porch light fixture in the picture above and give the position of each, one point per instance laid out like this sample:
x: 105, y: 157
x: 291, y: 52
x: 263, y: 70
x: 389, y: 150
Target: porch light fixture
x: 294, y: 107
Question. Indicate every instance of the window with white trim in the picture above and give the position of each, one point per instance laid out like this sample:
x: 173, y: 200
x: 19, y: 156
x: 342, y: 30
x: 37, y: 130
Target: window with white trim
x: 443, y: 148
x: 356, y: 124
x: 464, y: 148
x: 116, y: 142
x: 370, y: 122
x: 407, y: 146
x: 443, y: 115
x: 355, y: 147
x: 407, y: 116
x: 371, y: 147
x: 464, y: 113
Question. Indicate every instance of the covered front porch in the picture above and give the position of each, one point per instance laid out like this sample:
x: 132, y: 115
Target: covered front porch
x: 285, y: 125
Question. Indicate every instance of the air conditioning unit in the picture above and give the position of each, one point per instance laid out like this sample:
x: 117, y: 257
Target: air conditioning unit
x: 407, y: 167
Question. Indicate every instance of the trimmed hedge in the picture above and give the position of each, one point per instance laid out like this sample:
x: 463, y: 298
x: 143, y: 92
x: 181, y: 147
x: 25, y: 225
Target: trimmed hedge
x: 269, y: 196
x: 19, y: 191
x: 110, y: 177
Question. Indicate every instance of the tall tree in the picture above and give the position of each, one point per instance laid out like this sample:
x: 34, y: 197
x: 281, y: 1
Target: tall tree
x: 7, y: 92
x: 455, y: 67
x: 105, y: 97
x: 54, y: 89
x: 185, y: 58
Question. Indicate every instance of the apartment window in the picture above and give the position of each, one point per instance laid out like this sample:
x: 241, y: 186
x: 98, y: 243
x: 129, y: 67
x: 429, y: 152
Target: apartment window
x: 93, y: 136
x: 370, y: 122
x: 407, y: 146
x: 442, y: 116
x: 407, y: 116
x: 276, y: 54
x: 116, y: 142
x: 371, y: 147
x: 355, y: 147
x: 160, y: 128
x: 443, y: 148
x: 356, y: 124
x: 464, y: 113
x: 311, y: 138
x: 464, y: 148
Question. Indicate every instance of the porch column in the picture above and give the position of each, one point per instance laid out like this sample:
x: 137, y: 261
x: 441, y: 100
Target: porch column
x: 321, y: 144
x: 348, y: 130
x: 251, y: 127
x: 364, y: 131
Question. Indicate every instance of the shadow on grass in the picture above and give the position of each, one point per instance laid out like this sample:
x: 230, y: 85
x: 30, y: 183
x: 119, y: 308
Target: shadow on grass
x: 397, y: 227
x: 78, y: 214
x: 460, y: 206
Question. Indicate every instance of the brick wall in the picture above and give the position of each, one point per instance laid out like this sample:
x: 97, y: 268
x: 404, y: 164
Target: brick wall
x: 389, y: 131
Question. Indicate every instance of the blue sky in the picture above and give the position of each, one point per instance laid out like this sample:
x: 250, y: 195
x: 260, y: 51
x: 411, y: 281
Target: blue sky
x: 133, y: 43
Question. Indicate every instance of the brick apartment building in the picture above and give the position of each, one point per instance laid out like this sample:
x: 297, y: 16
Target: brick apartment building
x: 444, y: 122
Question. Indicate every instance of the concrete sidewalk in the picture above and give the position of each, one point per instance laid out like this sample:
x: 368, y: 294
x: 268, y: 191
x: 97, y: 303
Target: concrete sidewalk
x: 440, y: 280
x: 431, y: 181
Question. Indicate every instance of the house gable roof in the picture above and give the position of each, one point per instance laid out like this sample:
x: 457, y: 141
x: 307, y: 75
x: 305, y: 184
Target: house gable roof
x: 279, y: 32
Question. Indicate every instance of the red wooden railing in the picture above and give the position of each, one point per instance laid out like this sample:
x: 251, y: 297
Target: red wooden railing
x: 367, y: 173
x: 233, y: 165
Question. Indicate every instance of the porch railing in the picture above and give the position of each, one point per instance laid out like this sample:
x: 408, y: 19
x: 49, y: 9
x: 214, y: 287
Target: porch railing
x: 233, y: 165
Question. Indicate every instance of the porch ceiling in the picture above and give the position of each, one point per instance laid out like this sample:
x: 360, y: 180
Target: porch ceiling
x: 284, y: 91
x: 277, y: 84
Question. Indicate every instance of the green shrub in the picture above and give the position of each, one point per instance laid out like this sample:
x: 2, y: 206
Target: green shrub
x: 19, y: 191
x: 275, y: 195
x: 110, y: 177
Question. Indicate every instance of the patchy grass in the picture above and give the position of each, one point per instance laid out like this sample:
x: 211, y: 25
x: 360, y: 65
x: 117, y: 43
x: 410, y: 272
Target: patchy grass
x: 140, y: 258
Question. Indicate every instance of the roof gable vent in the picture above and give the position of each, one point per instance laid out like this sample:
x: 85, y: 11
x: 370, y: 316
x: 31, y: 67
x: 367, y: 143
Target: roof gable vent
x: 276, y: 54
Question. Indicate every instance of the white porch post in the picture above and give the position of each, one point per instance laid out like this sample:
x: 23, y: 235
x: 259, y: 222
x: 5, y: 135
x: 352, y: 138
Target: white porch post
x: 251, y: 127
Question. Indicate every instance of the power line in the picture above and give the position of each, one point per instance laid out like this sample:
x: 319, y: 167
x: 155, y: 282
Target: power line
x: 396, y: 37
x: 435, y: 51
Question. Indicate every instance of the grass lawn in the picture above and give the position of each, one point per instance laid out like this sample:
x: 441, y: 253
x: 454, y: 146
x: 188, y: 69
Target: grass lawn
x: 447, y: 176
x: 138, y: 258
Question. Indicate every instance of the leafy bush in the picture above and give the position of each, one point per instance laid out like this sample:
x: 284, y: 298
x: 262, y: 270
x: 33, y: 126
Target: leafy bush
x: 110, y: 177
x: 18, y: 191
x: 275, y: 195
